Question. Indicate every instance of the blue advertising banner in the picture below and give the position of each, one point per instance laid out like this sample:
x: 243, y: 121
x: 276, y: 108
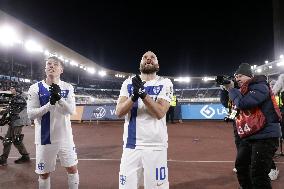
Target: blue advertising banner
x: 203, y: 111
x: 187, y: 111
x: 103, y: 112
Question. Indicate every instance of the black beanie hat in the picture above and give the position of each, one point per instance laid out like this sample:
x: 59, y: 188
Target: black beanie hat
x: 244, y: 69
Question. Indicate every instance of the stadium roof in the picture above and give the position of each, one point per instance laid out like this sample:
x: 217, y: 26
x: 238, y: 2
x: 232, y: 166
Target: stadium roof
x: 49, y: 46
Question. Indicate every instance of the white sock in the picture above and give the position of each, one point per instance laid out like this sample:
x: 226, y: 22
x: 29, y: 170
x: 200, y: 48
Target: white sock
x: 73, y: 181
x: 44, y: 183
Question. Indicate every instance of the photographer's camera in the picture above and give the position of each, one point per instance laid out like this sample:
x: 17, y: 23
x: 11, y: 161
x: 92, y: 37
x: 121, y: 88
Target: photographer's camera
x: 223, y: 80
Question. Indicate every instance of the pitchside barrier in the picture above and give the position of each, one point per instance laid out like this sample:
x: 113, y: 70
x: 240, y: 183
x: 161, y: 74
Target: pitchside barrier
x: 205, y: 111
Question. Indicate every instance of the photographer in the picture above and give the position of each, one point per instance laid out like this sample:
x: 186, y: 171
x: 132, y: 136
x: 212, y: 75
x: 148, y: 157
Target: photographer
x: 16, y: 117
x: 257, y: 125
x: 233, y: 112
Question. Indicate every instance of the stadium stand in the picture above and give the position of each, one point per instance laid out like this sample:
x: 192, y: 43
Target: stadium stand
x: 21, y: 64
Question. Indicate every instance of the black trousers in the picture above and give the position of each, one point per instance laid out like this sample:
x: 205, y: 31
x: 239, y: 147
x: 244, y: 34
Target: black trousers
x: 236, y: 136
x: 254, y: 161
x: 10, y: 138
x: 171, y: 114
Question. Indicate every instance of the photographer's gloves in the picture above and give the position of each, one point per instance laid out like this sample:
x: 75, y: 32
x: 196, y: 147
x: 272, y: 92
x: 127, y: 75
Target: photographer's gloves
x: 229, y: 86
x: 55, y: 96
x: 138, y: 89
x: 223, y: 87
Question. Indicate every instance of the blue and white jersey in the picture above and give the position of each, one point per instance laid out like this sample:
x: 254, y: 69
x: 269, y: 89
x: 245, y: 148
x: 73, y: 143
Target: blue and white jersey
x: 52, y: 122
x: 141, y: 129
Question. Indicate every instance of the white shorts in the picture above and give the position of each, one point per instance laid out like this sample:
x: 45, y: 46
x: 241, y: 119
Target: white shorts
x: 46, y: 156
x: 136, y: 161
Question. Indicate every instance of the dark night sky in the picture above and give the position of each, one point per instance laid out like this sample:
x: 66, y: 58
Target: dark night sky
x: 192, y: 39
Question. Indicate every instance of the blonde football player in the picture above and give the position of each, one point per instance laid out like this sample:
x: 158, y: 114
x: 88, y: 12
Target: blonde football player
x: 50, y: 104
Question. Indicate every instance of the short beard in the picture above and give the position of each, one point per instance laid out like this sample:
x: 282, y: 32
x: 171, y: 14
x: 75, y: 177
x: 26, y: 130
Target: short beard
x: 153, y: 69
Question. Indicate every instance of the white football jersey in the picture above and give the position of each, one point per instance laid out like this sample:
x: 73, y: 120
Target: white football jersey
x: 52, y: 122
x: 141, y: 129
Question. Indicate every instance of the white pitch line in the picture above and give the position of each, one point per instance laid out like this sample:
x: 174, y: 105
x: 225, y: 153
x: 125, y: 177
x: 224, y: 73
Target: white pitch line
x: 170, y: 160
x: 187, y: 161
x: 99, y: 159
x: 84, y: 159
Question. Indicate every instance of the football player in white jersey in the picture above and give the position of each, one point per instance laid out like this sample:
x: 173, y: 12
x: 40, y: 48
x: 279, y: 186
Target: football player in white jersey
x: 50, y: 104
x: 144, y: 101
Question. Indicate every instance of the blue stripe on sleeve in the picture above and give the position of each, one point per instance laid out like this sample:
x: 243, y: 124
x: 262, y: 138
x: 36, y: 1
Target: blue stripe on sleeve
x: 43, y: 95
x: 131, y: 138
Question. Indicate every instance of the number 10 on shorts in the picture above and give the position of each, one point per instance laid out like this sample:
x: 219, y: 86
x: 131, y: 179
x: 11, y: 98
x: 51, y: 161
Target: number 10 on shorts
x: 161, y: 173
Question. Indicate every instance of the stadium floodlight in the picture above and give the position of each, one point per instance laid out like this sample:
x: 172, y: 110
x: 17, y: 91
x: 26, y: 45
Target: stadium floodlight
x: 280, y: 63
x: 61, y: 58
x: 266, y: 61
x: 73, y: 63
x: 208, y: 79
x: 46, y: 53
x: 281, y: 56
x: 102, y: 73
x: 91, y: 70
x: 8, y: 36
x: 186, y: 79
x: 83, y: 67
x: 259, y: 70
x: 33, y: 46
x: 27, y: 80
x: 183, y: 79
x: 177, y: 79
x: 119, y: 75
x: 253, y: 67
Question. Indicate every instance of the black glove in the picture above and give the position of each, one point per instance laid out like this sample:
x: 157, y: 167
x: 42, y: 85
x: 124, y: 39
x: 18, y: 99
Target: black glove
x: 52, y: 99
x: 138, y: 87
x: 54, y: 90
x: 134, y: 96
